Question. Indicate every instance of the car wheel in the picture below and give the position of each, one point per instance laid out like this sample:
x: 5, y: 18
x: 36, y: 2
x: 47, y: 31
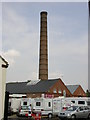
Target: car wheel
x: 73, y: 117
x: 89, y: 116
x: 49, y: 115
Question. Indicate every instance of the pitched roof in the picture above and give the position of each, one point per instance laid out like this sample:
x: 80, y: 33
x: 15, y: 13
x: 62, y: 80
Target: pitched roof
x: 24, y: 87
x: 72, y: 88
x: 16, y: 87
x: 42, y: 86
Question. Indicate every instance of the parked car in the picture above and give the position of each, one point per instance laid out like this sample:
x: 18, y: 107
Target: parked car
x: 74, y: 112
x: 24, y: 111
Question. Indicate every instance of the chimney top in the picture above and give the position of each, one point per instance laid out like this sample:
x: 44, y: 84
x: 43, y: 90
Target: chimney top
x: 43, y: 12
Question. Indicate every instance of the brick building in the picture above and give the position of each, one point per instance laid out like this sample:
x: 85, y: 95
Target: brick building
x: 76, y: 90
x: 52, y: 87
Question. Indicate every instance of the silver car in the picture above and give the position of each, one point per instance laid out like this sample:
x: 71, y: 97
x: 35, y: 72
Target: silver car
x: 24, y: 110
x: 74, y: 112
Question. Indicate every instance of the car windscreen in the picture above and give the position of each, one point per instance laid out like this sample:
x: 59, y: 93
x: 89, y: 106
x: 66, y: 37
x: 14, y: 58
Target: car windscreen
x: 24, y: 108
x: 72, y: 108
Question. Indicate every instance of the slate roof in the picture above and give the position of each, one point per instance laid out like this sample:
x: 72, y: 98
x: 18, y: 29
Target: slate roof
x: 72, y: 88
x: 17, y: 87
x: 24, y: 87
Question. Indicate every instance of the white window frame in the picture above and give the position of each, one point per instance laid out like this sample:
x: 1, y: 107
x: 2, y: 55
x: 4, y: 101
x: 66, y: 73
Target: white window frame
x: 54, y: 91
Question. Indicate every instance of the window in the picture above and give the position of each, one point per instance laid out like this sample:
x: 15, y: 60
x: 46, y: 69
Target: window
x: 59, y: 91
x: 54, y: 91
x: 24, y: 103
x: 88, y: 103
x: 81, y: 109
x: 49, y: 104
x: 72, y: 108
x: 81, y: 102
x: 86, y: 108
x: 64, y: 93
x: 73, y: 101
x: 38, y: 104
x: 24, y: 107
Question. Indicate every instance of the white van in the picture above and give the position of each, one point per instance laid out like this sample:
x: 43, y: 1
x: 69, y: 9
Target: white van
x: 79, y: 101
x: 15, y: 104
x: 43, y: 105
x: 25, y: 107
x: 60, y: 103
x: 26, y: 101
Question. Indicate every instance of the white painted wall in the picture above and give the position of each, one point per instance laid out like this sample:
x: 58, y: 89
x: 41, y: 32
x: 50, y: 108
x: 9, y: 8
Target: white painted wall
x: 2, y: 88
x: 1, y: 114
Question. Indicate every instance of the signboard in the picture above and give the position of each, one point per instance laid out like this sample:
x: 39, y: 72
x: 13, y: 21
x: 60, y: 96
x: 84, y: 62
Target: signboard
x: 48, y: 96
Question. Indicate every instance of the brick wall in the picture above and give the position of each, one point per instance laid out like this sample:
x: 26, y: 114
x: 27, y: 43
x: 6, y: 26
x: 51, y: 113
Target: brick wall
x: 79, y: 92
x: 60, y: 86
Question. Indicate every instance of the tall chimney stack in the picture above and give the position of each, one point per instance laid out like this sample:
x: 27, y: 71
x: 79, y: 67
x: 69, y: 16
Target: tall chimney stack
x: 43, y: 58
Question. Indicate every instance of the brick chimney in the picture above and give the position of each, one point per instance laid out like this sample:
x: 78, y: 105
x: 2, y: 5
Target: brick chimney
x: 43, y: 57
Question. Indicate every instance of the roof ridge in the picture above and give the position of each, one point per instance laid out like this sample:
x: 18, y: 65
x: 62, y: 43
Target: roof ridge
x: 72, y: 85
x: 54, y: 79
x: 16, y: 82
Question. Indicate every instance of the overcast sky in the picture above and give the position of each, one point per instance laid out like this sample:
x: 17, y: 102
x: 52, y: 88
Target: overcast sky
x: 67, y: 41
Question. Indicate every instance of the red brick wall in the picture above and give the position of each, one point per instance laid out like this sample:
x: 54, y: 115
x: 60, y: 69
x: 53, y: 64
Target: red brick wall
x: 79, y: 92
x: 59, y: 86
x: 32, y: 95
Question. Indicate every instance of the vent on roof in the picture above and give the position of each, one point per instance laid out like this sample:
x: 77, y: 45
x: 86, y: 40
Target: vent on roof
x: 33, y: 82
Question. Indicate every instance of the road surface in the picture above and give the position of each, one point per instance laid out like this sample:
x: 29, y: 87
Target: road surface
x: 14, y: 117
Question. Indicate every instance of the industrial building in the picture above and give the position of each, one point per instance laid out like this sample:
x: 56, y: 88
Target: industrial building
x: 50, y: 88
